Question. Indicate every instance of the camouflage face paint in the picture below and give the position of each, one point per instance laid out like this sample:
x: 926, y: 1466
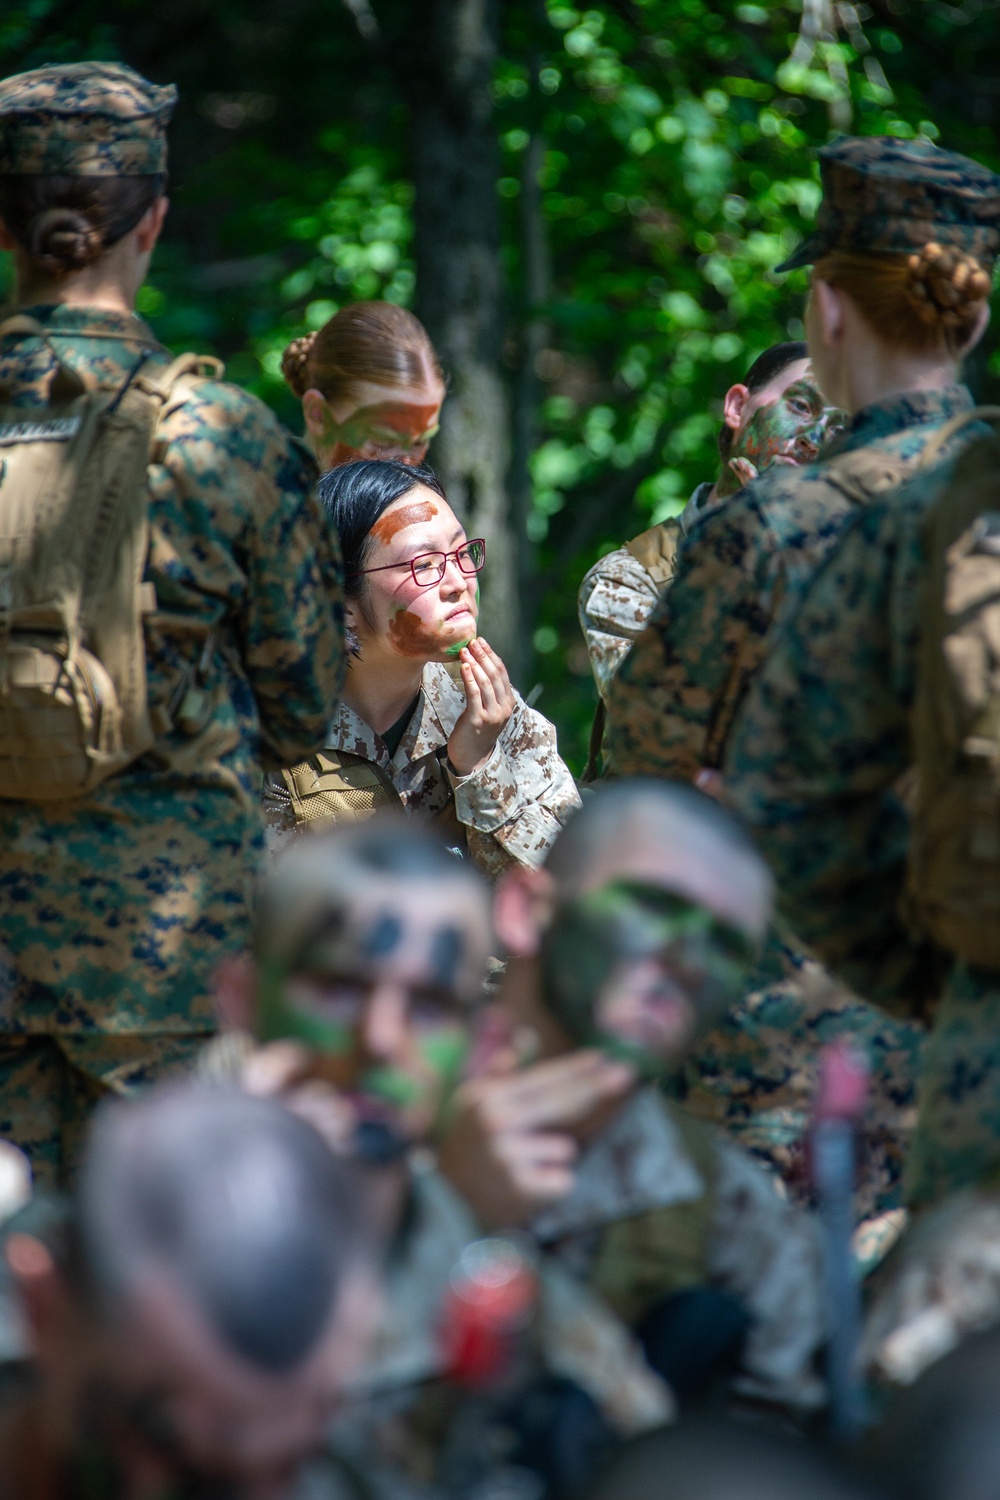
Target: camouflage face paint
x: 411, y: 635
x: 446, y: 956
x: 595, y: 939
x: 790, y: 430
x: 397, y: 518
x: 388, y: 429
x: 383, y: 937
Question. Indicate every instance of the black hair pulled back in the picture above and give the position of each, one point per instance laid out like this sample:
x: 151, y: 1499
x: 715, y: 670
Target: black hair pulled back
x: 355, y: 496
x: 67, y: 223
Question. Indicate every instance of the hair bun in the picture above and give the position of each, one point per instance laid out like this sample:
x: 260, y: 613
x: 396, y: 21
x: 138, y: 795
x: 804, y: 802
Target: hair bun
x: 295, y: 362
x: 61, y: 240
x: 945, y: 282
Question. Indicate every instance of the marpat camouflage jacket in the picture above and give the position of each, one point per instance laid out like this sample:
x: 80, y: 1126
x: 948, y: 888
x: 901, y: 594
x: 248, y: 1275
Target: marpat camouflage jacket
x: 674, y: 699
x: 118, y: 906
x: 511, y: 809
x: 740, y: 1235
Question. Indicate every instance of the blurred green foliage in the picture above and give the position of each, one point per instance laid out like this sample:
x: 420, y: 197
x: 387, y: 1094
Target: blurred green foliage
x: 677, y: 167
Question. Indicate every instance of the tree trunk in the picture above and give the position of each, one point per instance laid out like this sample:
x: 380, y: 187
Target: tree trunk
x: 447, y: 74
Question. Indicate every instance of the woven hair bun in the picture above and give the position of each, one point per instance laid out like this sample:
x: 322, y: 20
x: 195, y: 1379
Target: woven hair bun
x: 61, y: 240
x: 945, y: 282
x: 295, y: 363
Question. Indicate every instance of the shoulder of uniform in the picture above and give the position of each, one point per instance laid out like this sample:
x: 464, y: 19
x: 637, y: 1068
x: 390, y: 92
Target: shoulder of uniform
x: 228, y: 409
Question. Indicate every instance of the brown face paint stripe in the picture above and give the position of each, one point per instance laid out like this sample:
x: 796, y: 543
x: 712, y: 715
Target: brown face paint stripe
x: 395, y: 520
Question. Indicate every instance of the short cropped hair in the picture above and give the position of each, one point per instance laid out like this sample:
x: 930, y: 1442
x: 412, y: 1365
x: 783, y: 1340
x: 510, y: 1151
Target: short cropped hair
x: 763, y: 370
x: 236, y: 1201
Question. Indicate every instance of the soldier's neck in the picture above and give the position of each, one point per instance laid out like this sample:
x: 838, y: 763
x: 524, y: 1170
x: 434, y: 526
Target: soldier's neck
x: 110, y: 284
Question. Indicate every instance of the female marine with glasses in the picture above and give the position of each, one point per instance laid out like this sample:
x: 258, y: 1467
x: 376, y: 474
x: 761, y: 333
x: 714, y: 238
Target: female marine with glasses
x: 469, y: 754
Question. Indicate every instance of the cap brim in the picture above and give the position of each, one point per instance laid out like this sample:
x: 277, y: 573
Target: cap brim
x: 810, y: 250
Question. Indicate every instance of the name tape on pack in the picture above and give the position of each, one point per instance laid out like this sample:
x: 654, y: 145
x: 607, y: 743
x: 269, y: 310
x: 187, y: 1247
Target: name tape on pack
x: 56, y: 430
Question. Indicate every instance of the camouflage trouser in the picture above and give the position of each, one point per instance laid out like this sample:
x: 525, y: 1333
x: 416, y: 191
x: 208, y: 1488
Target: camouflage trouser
x: 957, y: 1139
x: 50, y: 1084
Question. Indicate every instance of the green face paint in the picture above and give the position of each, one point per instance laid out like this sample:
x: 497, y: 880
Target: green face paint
x: 791, y: 430
x: 628, y: 937
x: 389, y: 429
x: 281, y: 1020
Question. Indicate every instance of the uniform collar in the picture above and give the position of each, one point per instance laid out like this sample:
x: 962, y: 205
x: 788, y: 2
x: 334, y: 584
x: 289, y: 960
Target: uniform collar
x: 93, y: 322
x: 440, y: 704
x: 637, y: 1164
x: 911, y: 409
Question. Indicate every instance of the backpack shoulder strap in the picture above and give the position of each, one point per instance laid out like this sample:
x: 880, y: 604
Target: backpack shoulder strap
x: 865, y: 472
x: 656, y: 550
x: 944, y: 435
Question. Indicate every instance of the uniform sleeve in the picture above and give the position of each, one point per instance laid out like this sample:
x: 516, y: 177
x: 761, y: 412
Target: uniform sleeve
x: 673, y: 699
x: 247, y: 487
x: 616, y: 599
x: 768, y: 1254
x: 516, y: 803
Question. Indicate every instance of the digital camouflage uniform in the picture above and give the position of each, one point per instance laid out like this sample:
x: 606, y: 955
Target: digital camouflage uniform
x: 508, y: 812
x: 619, y: 594
x: 672, y: 704
x: 411, y: 1428
x: 755, y: 1076
x: 117, y: 906
x: 662, y: 1203
x: 819, y: 763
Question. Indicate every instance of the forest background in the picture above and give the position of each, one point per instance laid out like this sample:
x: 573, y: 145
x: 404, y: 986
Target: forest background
x: 583, y: 204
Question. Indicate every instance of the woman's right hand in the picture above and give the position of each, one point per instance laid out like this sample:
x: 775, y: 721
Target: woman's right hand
x: 489, y: 700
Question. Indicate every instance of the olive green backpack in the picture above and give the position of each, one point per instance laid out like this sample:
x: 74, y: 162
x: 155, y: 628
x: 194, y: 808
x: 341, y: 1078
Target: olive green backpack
x: 954, y: 861
x: 73, y: 542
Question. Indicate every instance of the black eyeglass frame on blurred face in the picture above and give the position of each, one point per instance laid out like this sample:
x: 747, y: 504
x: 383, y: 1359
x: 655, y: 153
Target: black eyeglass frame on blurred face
x: 434, y: 565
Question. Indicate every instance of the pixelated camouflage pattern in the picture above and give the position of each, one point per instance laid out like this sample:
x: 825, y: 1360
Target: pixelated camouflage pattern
x: 617, y: 597
x: 708, y: 1214
x: 510, y: 809
x: 117, y: 907
x: 819, y: 761
x: 755, y: 1076
x: 942, y: 1286
x: 49, y: 1085
x: 673, y: 701
x: 91, y: 119
x: 883, y: 195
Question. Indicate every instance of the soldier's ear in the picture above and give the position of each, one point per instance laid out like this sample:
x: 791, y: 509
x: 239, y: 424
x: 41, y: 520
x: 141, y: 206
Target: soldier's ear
x: 829, y: 313
x: 522, y: 909
x: 150, y: 226
x: 234, y: 994
x: 734, y: 406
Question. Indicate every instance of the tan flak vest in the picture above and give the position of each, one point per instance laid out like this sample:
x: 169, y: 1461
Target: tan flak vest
x: 337, y: 786
x: 74, y: 536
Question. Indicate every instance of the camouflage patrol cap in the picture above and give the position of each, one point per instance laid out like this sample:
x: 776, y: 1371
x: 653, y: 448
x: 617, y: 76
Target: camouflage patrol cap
x: 93, y: 119
x: 887, y: 196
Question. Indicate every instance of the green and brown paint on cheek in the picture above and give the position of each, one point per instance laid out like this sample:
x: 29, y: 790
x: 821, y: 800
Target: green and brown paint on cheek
x: 388, y: 429
x: 793, y: 429
x: 624, y: 922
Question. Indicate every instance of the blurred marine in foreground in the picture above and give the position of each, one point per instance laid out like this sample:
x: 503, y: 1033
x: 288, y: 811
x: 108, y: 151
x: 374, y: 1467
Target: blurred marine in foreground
x: 194, y: 1312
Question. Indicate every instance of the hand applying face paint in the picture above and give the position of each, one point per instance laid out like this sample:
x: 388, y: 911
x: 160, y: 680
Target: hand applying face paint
x: 489, y: 705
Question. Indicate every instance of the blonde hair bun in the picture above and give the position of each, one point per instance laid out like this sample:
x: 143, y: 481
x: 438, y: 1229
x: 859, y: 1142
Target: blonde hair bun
x: 945, y: 282
x: 295, y: 363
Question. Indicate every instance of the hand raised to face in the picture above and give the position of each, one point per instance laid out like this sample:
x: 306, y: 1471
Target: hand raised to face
x: 489, y: 700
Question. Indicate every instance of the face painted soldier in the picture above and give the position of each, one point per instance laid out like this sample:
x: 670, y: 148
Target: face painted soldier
x: 194, y: 1311
x: 776, y: 415
x: 635, y: 936
x: 370, y: 954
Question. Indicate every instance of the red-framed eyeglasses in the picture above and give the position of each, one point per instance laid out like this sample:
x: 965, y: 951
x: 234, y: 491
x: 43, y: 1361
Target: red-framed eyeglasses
x: 430, y: 567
